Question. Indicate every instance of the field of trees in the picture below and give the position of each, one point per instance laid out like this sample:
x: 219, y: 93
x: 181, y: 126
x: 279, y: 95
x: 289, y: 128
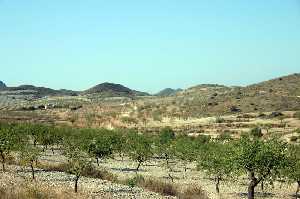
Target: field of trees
x: 264, y: 162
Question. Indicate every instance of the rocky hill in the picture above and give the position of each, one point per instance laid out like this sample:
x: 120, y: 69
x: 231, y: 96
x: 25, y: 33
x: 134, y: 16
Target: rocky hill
x: 280, y: 94
x: 113, y: 90
x: 168, y: 92
x: 38, y: 91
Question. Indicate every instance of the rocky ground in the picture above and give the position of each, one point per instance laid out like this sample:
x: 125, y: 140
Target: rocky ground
x: 125, y: 169
x: 88, y: 187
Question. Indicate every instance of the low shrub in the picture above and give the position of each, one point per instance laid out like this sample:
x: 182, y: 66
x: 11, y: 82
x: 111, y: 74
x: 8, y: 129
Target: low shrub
x: 220, y: 119
x: 103, y: 174
x: 294, y: 138
x: 193, y: 192
x: 151, y: 184
x: 89, y: 171
x: 256, y: 132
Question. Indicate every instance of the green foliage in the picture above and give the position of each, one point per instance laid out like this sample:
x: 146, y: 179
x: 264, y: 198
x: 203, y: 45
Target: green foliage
x: 261, y: 157
x: 261, y: 160
x: 225, y: 136
x: 29, y: 155
x: 166, y: 136
x: 256, y: 132
x: 9, y: 138
x: 137, y: 179
x: 217, y: 161
x: 186, y: 149
x: 164, y: 143
x: 77, y: 161
x: 101, y: 146
x: 292, y: 172
x: 201, y: 140
x: 139, y: 148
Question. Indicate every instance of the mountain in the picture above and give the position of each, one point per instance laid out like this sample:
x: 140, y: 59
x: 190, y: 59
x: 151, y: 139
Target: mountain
x: 39, y: 91
x: 113, y: 90
x: 2, y: 85
x: 279, y: 94
x: 168, y: 92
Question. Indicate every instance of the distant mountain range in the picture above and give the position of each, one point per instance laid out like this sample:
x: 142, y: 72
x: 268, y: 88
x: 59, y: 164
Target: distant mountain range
x: 105, y: 90
x: 275, y: 91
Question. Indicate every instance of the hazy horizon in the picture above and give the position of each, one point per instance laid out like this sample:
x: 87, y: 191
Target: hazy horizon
x: 147, y: 46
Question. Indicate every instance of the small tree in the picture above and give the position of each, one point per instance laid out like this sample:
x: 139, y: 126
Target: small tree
x: 292, y: 172
x: 139, y: 148
x: 216, y: 160
x: 185, y: 150
x: 261, y: 160
x: 49, y: 137
x: 165, y: 147
x: 101, y: 147
x: 8, y: 142
x: 256, y: 132
x: 118, y: 141
x: 29, y: 156
x: 164, y: 143
x: 77, y: 161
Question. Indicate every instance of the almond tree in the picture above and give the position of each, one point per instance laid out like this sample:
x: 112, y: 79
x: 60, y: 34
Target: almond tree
x: 261, y: 160
x: 8, y: 141
x: 292, y: 172
x: 100, y: 147
x: 139, y: 148
x: 165, y: 147
x: 185, y: 150
x: 29, y: 156
x: 215, y: 159
x: 77, y: 161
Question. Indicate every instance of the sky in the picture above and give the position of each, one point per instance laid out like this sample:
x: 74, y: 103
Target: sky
x: 147, y: 45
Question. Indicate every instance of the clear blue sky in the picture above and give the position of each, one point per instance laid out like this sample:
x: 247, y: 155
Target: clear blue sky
x: 147, y: 45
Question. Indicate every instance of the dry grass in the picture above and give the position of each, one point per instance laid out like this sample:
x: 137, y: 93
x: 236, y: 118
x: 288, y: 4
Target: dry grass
x: 90, y: 171
x: 35, y: 191
x: 164, y: 188
x: 154, y: 185
x: 167, y: 189
x: 193, y: 192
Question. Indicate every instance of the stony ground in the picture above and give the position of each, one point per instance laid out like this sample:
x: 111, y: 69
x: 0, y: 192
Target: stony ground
x: 230, y: 188
x: 90, y: 187
x: 124, y: 169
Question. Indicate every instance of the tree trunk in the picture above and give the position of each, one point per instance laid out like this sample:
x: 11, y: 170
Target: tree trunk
x: 262, y: 186
x: 171, y: 177
x: 32, y: 170
x: 137, y: 168
x: 251, y: 191
x: 218, y: 184
x: 251, y: 187
x: 298, y: 189
x: 97, y: 160
x: 3, y: 161
x: 76, y: 184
